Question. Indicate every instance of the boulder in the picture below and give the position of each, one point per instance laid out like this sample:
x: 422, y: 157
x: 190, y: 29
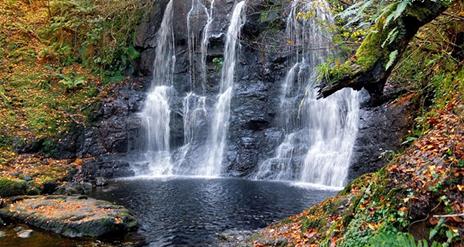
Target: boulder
x: 12, y: 187
x: 70, y: 216
x: 25, y: 233
x: 381, y: 132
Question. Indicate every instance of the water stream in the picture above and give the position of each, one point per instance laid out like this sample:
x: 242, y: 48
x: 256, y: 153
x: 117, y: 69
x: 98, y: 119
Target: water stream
x: 156, y: 113
x: 220, y: 121
x: 318, y: 134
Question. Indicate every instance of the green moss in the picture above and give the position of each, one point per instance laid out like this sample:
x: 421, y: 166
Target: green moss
x: 370, y: 50
x: 12, y: 187
x: 307, y: 223
x: 340, y: 71
x: 360, y: 182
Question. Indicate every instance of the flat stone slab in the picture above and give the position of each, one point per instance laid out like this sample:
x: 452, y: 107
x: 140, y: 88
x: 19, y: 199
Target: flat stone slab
x: 71, y: 216
x: 25, y: 233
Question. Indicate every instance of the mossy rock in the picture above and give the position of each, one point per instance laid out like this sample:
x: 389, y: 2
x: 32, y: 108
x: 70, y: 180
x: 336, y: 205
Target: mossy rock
x: 71, y: 216
x: 12, y: 187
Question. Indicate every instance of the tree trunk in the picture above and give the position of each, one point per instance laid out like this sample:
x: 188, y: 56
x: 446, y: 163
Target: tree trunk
x: 379, y: 52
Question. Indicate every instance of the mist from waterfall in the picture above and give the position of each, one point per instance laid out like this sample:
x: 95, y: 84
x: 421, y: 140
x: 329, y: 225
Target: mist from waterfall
x: 319, y: 135
x: 156, y: 112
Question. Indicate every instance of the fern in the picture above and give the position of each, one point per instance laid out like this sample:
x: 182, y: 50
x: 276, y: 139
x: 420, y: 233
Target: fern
x: 399, y: 239
x: 400, y: 7
x: 356, y: 12
x: 391, y: 59
x: 391, y: 37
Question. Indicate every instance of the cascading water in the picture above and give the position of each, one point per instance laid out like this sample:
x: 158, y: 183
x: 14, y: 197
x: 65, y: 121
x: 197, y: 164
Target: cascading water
x: 195, y: 121
x: 194, y: 106
x: 220, y: 120
x: 195, y: 19
x: 156, y: 112
x: 205, y: 43
x: 319, y: 134
x: 191, y: 158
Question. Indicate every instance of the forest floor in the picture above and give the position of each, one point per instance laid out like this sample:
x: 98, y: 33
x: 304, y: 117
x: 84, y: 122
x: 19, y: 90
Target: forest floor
x: 42, y: 94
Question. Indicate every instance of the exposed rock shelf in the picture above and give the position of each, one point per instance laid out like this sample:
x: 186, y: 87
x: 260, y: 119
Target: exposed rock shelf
x: 71, y: 216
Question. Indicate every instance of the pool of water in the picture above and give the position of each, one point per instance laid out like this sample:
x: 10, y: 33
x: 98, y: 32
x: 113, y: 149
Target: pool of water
x: 191, y: 212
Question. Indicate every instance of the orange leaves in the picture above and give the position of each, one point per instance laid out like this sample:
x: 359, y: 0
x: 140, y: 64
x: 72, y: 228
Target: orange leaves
x: 78, y: 162
x: 430, y: 172
x: 461, y: 187
x: 39, y: 169
x: 117, y: 220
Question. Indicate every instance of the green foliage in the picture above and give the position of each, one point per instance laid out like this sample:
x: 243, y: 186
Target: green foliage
x: 307, y: 223
x: 98, y: 34
x: 392, y: 35
x: 391, y: 59
x: 49, y: 147
x: 5, y: 141
x: 218, y: 62
x: 12, y: 187
x: 323, y: 71
x: 4, y: 99
x: 390, y: 237
x: 400, y: 7
x: 355, y: 236
x: 72, y: 81
x: 333, y: 70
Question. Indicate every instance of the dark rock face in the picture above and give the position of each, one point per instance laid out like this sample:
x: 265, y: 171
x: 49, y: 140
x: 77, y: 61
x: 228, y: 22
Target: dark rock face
x: 107, y: 139
x: 253, y: 134
x: 258, y: 76
x: 381, y: 130
x: 71, y: 216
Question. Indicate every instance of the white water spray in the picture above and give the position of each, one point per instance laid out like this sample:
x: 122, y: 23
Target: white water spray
x: 156, y: 112
x: 205, y: 44
x: 319, y: 134
x: 220, y: 123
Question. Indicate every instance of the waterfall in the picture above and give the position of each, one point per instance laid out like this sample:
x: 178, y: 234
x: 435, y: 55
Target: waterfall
x: 194, y: 18
x: 220, y: 120
x: 205, y: 43
x: 156, y: 113
x: 195, y: 113
x: 319, y: 135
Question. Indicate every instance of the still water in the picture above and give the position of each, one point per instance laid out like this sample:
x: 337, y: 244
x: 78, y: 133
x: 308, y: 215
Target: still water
x: 191, y: 212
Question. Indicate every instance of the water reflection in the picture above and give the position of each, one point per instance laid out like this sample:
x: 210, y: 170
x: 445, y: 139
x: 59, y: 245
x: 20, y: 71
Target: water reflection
x: 186, y: 211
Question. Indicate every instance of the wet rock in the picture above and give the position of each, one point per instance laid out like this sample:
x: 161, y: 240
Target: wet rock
x: 101, y: 181
x: 25, y: 233
x: 71, y: 216
x: 18, y: 229
x: 2, y: 234
x: 381, y: 130
x: 107, y: 167
x: 49, y: 187
x: 234, y: 238
x: 74, y: 188
x: 111, y: 127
